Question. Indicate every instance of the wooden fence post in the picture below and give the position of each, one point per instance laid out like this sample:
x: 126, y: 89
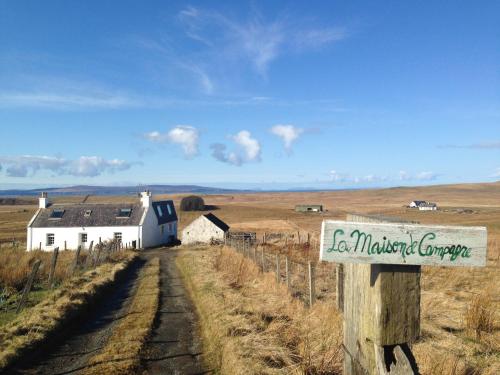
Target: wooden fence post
x: 28, y: 285
x: 391, y: 295
x: 339, y: 278
x: 75, y: 262
x: 89, y: 255
x: 278, y: 271
x: 53, y: 267
x: 96, y: 258
x: 263, y: 260
x: 312, y: 291
x: 40, y: 247
x: 287, y: 270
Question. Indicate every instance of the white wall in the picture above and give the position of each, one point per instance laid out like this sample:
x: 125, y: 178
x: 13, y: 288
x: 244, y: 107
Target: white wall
x: 72, y: 236
x: 201, y: 230
x: 152, y: 233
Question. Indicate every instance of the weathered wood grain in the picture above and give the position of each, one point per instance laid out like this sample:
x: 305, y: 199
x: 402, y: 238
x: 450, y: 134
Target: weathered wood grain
x: 399, y: 243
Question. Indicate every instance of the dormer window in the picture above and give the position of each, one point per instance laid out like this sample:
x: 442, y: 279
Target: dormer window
x: 56, y: 214
x: 87, y: 213
x: 124, y: 213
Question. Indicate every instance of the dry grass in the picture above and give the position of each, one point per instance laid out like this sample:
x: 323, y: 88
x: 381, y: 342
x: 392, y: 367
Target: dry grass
x: 480, y: 316
x: 31, y: 327
x: 120, y: 355
x: 252, y: 325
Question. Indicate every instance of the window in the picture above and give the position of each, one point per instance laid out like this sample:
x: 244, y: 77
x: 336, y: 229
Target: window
x: 160, y: 212
x: 124, y: 213
x: 87, y: 213
x: 56, y: 214
x: 50, y: 239
x: 118, y: 236
x: 169, y: 209
x: 83, y: 237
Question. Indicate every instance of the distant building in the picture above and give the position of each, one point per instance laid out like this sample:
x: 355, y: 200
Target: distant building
x: 146, y: 223
x: 205, y: 229
x: 309, y: 208
x: 423, y: 205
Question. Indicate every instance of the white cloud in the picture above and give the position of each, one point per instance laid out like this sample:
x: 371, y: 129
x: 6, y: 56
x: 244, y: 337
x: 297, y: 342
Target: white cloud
x: 85, y: 166
x: 426, y: 176
x: 184, y: 135
x: 249, y: 149
x: 404, y: 176
x: 288, y: 133
x: 496, y: 174
x: 255, y: 39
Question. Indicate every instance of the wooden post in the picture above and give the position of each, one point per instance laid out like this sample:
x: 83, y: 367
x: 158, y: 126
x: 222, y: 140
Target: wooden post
x: 263, y: 260
x: 28, y: 285
x: 65, y: 248
x: 312, y: 291
x: 96, y: 259
x: 339, y: 276
x: 40, y: 247
x: 255, y: 254
x: 391, y: 295
x: 287, y: 270
x: 75, y: 262
x: 53, y: 267
x: 278, y: 271
x: 89, y: 255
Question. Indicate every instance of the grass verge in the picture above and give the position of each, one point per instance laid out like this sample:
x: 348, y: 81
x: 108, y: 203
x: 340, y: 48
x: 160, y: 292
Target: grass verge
x: 34, y: 326
x: 121, y: 353
x: 251, y: 325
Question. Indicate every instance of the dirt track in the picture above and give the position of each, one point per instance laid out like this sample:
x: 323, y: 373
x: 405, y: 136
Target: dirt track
x: 173, y: 348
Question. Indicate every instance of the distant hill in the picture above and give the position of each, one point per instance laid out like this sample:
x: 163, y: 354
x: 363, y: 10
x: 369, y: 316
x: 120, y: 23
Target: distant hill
x: 120, y: 190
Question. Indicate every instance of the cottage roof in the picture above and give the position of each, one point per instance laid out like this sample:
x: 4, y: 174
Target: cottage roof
x: 418, y: 203
x: 89, y: 215
x: 216, y: 221
x: 165, y: 211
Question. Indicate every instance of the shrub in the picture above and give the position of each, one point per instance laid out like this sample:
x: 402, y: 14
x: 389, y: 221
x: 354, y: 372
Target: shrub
x: 192, y: 203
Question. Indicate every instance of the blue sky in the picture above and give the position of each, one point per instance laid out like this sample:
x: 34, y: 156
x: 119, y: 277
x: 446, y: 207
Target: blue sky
x: 258, y: 94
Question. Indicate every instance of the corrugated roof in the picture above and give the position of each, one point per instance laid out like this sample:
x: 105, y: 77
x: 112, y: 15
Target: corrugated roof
x: 164, y: 211
x: 101, y: 215
x: 218, y: 222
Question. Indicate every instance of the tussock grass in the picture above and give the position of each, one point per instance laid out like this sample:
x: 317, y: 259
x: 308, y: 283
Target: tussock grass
x: 251, y: 325
x: 32, y: 326
x: 121, y: 353
x: 480, y: 316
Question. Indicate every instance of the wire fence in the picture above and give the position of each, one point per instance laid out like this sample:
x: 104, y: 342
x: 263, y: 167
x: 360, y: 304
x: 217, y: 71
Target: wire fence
x: 306, y: 280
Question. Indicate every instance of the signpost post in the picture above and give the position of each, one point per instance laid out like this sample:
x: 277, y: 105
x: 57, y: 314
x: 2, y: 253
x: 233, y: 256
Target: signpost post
x: 381, y: 283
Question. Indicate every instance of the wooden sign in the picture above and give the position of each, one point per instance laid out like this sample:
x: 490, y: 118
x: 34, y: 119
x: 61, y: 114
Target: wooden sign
x: 393, y: 243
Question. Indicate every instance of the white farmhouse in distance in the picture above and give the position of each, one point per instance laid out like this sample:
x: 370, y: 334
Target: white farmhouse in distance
x: 423, y: 205
x: 143, y: 224
x: 205, y: 229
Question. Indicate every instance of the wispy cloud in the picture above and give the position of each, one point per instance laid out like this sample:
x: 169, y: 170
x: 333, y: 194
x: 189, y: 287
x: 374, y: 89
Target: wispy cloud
x: 184, y: 135
x: 346, y: 178
x: 256, y: 40
x: 490, y: 145
x: 248, y: 149
x: 84, y: 166
x: 496, y: 174
x: 288, y: 134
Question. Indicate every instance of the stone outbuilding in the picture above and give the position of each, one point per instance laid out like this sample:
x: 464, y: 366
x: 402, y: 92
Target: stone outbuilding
x: 309, y: 208
x: 205, y: 229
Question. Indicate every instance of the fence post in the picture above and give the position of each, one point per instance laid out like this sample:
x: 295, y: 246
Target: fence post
x: 89, y: 255
x: 75, y: 262
x: 392, y: 294
x: 287, y: 269
x: 312, y: 291
x: 40, y: 247
x: 53, y: 267
x: 96, y: 258
x: 263, y: 259
x: 28, y: 285
x: 278, y: 271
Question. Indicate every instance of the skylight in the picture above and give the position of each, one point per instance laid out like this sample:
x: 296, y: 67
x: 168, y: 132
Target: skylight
x: 87, y: 213
x: 160, y: 212
x: 124, y: 212
x: 169, y: 209
x: 56, y: 214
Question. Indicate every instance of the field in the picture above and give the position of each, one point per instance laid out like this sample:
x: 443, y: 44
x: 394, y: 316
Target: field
x: 451, y: 297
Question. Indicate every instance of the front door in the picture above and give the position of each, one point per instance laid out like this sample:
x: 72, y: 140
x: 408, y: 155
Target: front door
x: 82, y: 240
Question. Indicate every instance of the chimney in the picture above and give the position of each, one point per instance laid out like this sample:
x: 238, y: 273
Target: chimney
x: 43, y: 201
x: 146, y: 198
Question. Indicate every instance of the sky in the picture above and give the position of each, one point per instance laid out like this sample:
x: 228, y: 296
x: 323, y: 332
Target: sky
x: 260, y: 94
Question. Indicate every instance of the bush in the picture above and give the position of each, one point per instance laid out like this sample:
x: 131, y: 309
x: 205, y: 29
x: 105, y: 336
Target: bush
x: 192, y: 203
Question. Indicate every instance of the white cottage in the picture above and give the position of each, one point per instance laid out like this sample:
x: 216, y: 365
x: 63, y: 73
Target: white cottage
x: 205, y: 229
x: 143, y: 224
x: 423, y: 205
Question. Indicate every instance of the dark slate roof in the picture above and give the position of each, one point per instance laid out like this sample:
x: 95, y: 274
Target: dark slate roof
x: 218, y: 222
x: 161, y: 209
x: 102, y: 215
